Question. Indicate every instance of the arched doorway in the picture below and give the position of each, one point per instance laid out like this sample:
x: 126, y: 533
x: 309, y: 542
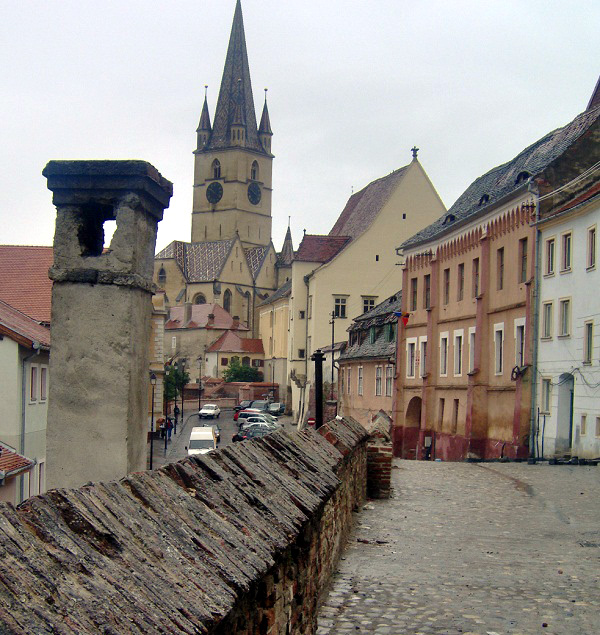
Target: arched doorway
x: 564, y: 413
x: 412, y: 424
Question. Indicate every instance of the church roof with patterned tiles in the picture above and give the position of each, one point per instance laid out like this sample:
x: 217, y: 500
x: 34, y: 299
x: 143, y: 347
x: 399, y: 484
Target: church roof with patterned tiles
x: 256, y: 257
x: 235, y: 96
x: 24, y: 282
x: 199, y: 262
x: 21, y: 328
x: 284, y: 291
x: 363, y: 207
x: 200, y: 318
x: 11, y: 462
x: 315, y: 248
x: 231, y: 342
x: 508, y: 178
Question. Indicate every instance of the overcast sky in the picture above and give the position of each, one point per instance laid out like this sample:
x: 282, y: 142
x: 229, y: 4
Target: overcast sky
x: 353, y: 85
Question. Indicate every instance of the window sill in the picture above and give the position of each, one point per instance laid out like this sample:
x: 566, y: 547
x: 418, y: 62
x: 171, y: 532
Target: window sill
x: 586, y: 363
x: 547, y: 338
x: 550, y: 274
x: 569, y: 270
x: 591, y: 268
x: 473, y: 372
x: 565, y: 336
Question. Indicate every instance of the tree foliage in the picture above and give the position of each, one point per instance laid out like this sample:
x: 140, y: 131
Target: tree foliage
x: 175, y: 381
x: 237, y: 372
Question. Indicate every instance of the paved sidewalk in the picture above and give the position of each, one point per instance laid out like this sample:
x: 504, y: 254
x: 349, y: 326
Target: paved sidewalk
x: 480, y: 549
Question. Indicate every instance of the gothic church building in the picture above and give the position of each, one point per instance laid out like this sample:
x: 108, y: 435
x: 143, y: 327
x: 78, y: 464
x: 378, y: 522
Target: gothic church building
x: 230, y: 260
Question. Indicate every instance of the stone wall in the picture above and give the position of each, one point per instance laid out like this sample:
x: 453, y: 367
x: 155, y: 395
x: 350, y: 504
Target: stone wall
x: 241, y: 541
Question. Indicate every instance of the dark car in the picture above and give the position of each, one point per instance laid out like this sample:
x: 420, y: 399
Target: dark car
x: 243, y: 405
x: 251, y: 433
x: 259, y: 404
x: 276, y: 408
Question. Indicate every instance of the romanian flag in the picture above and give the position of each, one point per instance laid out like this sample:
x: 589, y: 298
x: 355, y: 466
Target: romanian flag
x: 404, y: 316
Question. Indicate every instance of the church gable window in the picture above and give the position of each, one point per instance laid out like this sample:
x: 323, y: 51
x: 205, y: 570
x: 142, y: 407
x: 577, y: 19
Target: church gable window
x: 227, y: 300
x: 216, y: 169
x: 162, y: 275
x: 199, y: 299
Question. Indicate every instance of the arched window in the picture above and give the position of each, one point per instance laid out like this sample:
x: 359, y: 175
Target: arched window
x: 254, y: 171
x: 216, y: 169
x: 245, y: 361
x: 227, y: 300
x: 200, y: 299
x: 248, y: 307
x: 162, y: 276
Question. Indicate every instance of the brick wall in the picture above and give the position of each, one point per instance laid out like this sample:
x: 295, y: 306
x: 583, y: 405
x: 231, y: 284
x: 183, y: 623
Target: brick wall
x: 379, y: 469
x: 241, y: 541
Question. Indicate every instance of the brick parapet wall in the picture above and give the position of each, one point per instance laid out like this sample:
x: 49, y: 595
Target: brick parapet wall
x: 379, y: 469
x: 241, y: 541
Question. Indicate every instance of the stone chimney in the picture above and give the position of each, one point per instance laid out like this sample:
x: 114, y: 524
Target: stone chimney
x: 211, y: 320
x: 236, y: 322
x: 101, y: 310
x: 187, y: 313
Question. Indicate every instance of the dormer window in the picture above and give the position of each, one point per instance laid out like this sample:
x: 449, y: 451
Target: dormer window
x: 522, y: 176
x: 216, y: 169
x: 162, y: 276
x: 450, y: 218
x: 254, y: 171
x: 484, y: 199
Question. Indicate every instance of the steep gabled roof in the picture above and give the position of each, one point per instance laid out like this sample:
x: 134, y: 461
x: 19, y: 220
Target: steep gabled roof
x: 24, y: 282
x: 199, y: 262
x: 231, y: 342
x: 363, y: 207
x: 236, y: 101
x: 286, y: 255
x: 507, y: 179
x: 283, y: 292
x: 595, y: 98
x: 199, y: 318
x: 314, y: 248
x: 256, y: 257
x: 22, y: 328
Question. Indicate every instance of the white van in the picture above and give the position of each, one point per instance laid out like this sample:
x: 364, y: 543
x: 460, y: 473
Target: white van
x: 202, y: 440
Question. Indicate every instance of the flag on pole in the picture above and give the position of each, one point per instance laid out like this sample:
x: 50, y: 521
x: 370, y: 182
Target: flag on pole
x: 403, y: 316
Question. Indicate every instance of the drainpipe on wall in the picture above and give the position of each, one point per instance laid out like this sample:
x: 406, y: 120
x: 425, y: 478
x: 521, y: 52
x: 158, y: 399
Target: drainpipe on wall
x: 536, y: 301
x: 36, y: 351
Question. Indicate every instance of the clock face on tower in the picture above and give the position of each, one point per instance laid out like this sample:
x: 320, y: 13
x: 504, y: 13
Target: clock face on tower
x: 214, y: 192
x: 254, y: 193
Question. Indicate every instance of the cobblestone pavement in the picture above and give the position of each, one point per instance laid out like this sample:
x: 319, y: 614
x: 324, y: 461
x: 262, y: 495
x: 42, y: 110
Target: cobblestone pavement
x: 479, y: 549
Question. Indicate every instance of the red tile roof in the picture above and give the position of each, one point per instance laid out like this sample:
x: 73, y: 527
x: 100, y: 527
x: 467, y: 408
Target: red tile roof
x: 320, y: 248
x: 11, y: 462
x: 21, y: 327
x: 199, y: 318
x: 231, y: 342
x: 24, y: 282
x: 363, y: 207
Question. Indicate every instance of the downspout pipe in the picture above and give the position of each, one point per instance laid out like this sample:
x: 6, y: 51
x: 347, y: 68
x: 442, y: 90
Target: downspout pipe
x: 536, y: 320
x: 36, y: 351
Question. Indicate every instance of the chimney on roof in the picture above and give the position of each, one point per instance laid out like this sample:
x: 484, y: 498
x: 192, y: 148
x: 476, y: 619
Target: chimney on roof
x: 187, y: 313
x: 211, y: 320
x: 236, y: 322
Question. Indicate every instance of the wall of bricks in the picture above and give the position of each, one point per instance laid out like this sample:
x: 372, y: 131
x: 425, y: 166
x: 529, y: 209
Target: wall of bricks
x: 242, y: 540
x: 379, y: 469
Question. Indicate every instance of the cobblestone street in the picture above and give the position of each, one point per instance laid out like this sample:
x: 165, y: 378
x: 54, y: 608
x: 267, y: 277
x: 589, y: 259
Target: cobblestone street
x: 480, y: 549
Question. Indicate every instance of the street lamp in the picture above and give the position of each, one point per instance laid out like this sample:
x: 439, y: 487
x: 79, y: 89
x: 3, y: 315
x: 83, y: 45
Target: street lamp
x: 182, y: 389
x: 153, y: 382
x: 199, y: 383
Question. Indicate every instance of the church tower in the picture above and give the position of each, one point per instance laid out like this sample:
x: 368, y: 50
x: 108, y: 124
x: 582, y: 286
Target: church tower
x: 233, y: 160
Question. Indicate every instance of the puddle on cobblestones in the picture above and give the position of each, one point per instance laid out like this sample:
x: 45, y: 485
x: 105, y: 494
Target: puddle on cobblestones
x: 520, y: 486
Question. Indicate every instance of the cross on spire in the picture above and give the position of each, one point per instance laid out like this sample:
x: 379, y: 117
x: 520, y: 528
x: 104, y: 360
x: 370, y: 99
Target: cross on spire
x: 414, y: 151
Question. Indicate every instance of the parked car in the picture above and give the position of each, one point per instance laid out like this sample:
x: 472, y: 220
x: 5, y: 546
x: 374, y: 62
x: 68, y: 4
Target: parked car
x: 260, y: 404
x: 244, y: 414
x: 276, y: 408
x: 243, y: 405
x: 258, y: 419
x: 210, y: 411
x: 251, y: 433
x: 202, y: 440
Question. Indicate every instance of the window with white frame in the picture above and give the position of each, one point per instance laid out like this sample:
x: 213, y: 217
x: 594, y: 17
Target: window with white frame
x: 339, y: 307
x: 547, y: 318
x: 591, y: 248
x: 549, y: 259
x: 411, y: 349
x: 423, y: 356
x: 174, y: 343
x: 520, y: 342
x: 378, y: 380
x: 33, y: 383
x: 546, y: 395
x: 458, y: 353
x: 565, y: 251
x: 43, y: 383
x: 583, y: 425
x: 588, y: 342
x: 389, y: 380
x: 360, y: 380
x: 444, y: 354
x: 564, y: 317
x: 498, y: 349
x: 368, y: 303
x: 349, y: 384
x: 471, y: 349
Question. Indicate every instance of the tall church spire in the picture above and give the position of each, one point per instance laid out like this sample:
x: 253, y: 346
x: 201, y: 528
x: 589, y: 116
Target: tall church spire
x: 204, y: 128
x: 236, y: 102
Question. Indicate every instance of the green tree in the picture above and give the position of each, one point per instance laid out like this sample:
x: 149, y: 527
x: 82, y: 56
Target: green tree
x: 237, y: 372
x: 175, y: 381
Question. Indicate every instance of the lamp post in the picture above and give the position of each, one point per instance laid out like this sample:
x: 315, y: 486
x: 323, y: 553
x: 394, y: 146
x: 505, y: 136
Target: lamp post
x: 199, y: 383
x: 153, y: 382
x: 182, y: 368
